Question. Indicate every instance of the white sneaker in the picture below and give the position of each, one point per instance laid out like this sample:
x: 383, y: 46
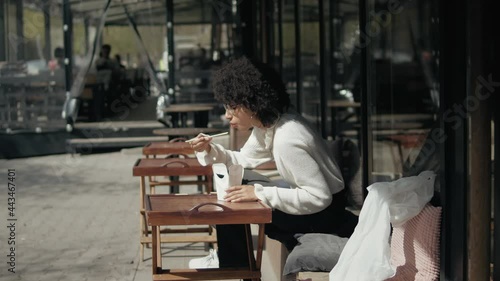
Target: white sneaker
x: 210, y: 261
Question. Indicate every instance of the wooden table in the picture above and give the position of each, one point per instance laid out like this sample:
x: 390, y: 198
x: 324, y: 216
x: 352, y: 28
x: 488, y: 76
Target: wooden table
x: 205, y: 209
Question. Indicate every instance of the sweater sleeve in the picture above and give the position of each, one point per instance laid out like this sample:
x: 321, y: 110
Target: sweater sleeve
x: 309, y: 192
x: 252, y: 154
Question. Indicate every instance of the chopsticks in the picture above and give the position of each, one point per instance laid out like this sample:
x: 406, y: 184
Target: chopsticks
x: 212, y: 136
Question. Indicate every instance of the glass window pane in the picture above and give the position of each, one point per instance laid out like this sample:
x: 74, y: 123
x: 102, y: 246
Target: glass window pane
x: 289, y: 50
x: 345, y: 68
x: 32, y: 88
x: 405, y: 95
x: 309, y: 42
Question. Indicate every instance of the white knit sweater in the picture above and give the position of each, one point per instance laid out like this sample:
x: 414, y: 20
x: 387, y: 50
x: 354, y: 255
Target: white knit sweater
x: 302, y: 160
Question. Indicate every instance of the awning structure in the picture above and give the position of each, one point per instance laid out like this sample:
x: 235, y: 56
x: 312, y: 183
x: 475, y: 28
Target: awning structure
x: 149, y: 12
x: 102, y: 13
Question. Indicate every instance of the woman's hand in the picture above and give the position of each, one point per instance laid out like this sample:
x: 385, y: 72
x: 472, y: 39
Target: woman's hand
x: 201, y: 143
x: 241, y: 193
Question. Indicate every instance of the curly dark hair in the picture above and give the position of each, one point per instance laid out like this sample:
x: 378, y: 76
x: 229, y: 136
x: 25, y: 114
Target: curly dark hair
x: 254, y: 85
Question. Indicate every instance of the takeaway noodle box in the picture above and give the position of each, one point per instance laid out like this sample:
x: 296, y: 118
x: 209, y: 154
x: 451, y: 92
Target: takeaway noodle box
x: 226, y: 177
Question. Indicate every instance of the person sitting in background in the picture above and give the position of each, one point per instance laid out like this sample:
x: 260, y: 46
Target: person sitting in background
x: 313, y: 198
x: 58, y: 60
x: 119, y: 86
x: 104, y: 61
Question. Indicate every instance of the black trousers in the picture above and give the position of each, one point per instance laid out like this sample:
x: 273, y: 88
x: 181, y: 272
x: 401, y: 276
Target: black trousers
x: 334, y: 219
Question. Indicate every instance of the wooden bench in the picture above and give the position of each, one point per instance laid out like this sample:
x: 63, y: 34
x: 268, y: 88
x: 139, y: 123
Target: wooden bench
x: 86, y: 144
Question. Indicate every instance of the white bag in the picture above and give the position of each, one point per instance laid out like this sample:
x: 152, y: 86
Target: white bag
x: 225, y: 178
x: 367, y: 254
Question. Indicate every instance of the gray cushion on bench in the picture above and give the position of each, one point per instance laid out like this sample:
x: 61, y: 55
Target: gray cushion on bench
x: 315, y: 252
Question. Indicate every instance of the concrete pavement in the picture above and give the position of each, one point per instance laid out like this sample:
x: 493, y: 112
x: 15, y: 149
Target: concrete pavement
x: 77, y: 219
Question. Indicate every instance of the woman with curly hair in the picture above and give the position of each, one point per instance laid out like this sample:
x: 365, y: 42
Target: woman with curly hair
x: 313, y: 198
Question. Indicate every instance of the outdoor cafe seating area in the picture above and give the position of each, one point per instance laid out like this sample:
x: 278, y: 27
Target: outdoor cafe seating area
x: 169, y: 215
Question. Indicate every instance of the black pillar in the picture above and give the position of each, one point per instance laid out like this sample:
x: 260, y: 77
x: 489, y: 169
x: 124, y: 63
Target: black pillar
x: 280, y: 36
x: 496, y: 171
x: 453, y: 151
x: 267, y: 34
x: 323, y: 70
x: 248, y: 12
x: 366, y: 90
x: 298, y: 51
x: 3, y: 32
x: 68, y: 45
x: 170, y: 48
x: 20, y: 29
x: 48, y: 42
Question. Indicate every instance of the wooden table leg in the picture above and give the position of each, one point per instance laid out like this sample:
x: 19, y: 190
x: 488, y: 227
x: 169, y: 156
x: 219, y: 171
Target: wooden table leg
x: 142, y: 212
x: 210, y: 182
x: 158, y: 248
x: 154, y: 256
x: 251, y: 258
x: 260, y: 245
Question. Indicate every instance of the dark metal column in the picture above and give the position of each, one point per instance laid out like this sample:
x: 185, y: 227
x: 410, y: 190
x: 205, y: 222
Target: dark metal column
x: 248, y: 12
x: 332, y: 15
x: 267, y: 35
x: 280, y: 36
x: 365, y: 70
x: 46, y: 18
x: 493, y: 59
x: 323, y: 70
x: 496, y: 187
x: 170, y: 49
x: 3, y: 32
x: 20, y: 29
x: 68, y: 45
x: 453, y: 151
x: 263, y: 31
x: 298, y: 51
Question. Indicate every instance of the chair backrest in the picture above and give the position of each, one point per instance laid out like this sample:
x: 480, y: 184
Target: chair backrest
x: 345, y: 152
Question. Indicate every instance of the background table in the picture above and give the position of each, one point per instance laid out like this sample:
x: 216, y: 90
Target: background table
x: 184, y: 132
x: 180, y: 112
